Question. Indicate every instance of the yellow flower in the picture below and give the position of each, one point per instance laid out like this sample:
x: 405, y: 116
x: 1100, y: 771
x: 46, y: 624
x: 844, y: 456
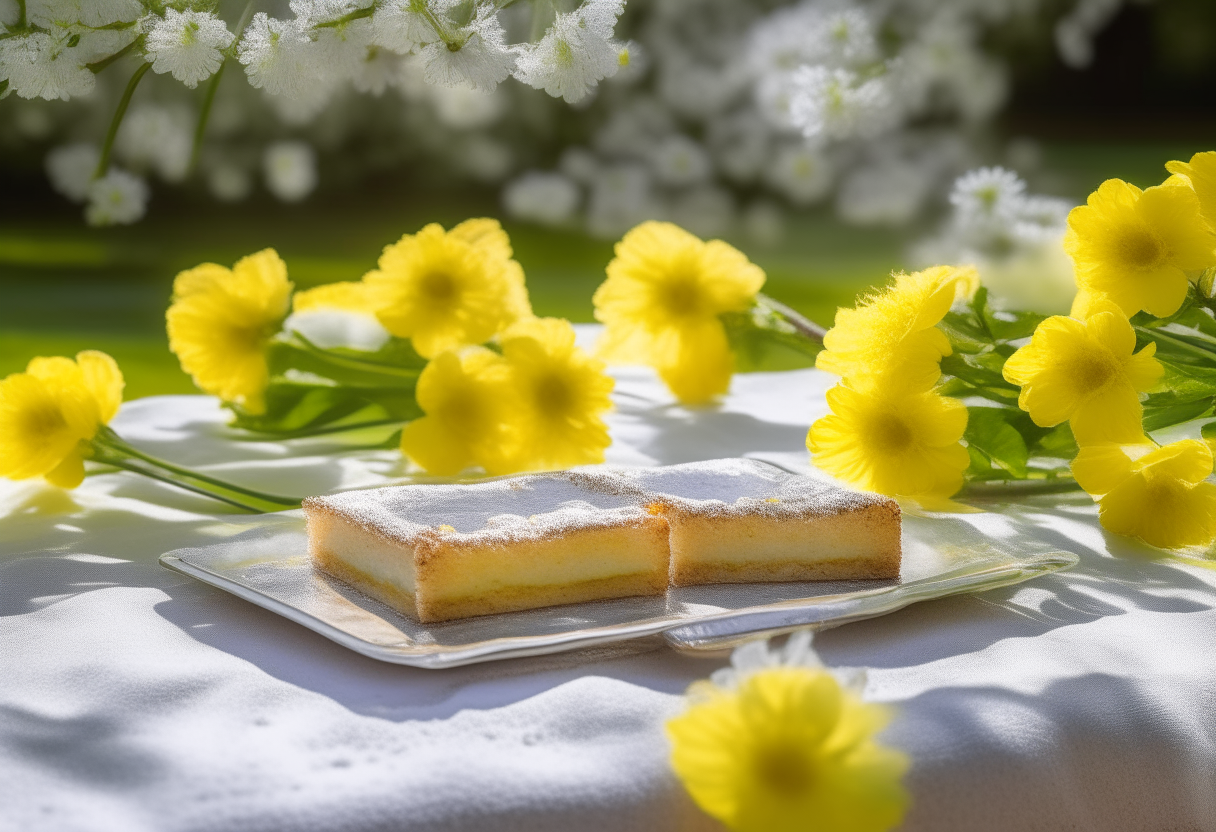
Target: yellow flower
x: 1158, y: 495
x: 890, y: 341
x: 661, y: 302
x: 903, y: 445
x: 789, y: 751
x: 1200, y: 173
x: 349, y: 296
x: 221, y: 320
x: 448, y: 289
x: 468, y: 398
x: 49, y: 413
x: 1085, y: 373
x: 563, y: 395
x: 1135, y: 247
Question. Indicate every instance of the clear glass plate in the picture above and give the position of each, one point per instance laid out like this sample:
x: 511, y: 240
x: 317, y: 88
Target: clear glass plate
x: 265, y: 562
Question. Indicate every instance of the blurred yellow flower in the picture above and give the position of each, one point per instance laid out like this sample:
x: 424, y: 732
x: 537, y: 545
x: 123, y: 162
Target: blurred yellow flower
x: 904, y: 445
x: 221, y: 320
x: 1135, y: 247
x: 349, y: 296
x: 789, y: 751
x: 660, y: 306
x: 890, y: 341
x: 1085, y: 373
x: 448, y: 289
x: 564, y: 393
x: 49, y: 413
x: 468, y: 398
x: 1158, y: 495
x: 1200, y: 173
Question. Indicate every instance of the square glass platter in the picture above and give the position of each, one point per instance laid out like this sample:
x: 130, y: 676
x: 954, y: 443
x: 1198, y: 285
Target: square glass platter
x: 265, y: 561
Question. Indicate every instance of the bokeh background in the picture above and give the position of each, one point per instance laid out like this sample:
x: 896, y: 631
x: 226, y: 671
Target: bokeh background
x: 1146, y: 96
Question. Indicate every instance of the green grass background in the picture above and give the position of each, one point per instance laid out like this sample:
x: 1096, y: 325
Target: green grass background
x: 65, y: 287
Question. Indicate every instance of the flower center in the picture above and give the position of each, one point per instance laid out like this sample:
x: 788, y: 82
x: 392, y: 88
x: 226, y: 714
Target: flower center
x: 1091, y: 373
x: 553, y: 395
x: 438, y: 286
x: 42, y: 422
x: 784, y: 768
x: 1140, y: 248
x: 680, y: 297
x: 889, y: 434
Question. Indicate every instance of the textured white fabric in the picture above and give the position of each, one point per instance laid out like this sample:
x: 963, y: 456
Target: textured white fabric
x: 132, y: 698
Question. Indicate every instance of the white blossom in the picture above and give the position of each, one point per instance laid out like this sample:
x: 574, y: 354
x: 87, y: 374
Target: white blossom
x: 158, y: 138
x: 228, y: 182
x: 706, y: 210
x: 50, y: 14
x: 621, y: 197
x: 467, y: 108
x: 477, y: 56
x: 291, y: 170
x: 679, y: 161
x: 484, y: 158
x: 987, y: 194
x: 380, y: 69
x: 580, y: 164
x: 888, y: 193
x: 70, y: 168
x: 118, y: 198
x: 575, y: 54
x: 186, y: 44
x: 41, y: 65
x: 274, y: 53
x: 839, y: 104
x: 799, y: 172
x: 545, y: 198
x: 403, y: 25
x: 798, y: 651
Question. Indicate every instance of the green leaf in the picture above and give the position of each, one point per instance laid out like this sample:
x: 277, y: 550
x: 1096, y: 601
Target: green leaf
x: 1156, y: 418
x: 999, y: 442
x: 301, y: 406
x: 1208, y: 432
x: 1055, y: 443
x: 762, y: 341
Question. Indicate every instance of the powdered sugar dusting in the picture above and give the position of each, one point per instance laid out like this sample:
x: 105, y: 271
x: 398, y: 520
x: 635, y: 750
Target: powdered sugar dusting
x: 542, y: 505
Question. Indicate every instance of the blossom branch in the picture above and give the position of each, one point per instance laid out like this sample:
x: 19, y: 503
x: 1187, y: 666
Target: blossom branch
x: 103, y: 164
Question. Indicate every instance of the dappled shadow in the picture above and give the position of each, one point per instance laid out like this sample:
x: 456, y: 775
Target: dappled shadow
x: 680, y: 434
x: 1095, y: 752
x: 298, y: 656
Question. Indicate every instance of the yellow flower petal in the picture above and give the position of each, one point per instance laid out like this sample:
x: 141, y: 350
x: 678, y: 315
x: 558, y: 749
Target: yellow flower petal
x: 789, y: 751
x: 661, y: 302
x: 1134, y: 247
x: 904, y: 445
x: 49, y: 413
x: 444, y: 290
x: 889, y: 341
x: 563, y: 395
x: 347, y: 296
x: 1200, y: 172
x: 103, y: 380
x: 221, y: 321
x: 1100, y: 468
x: 1086, y: 373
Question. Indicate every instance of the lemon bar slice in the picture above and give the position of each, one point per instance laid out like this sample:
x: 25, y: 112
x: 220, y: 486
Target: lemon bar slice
x: 438, y: 552
x: 743, y: 521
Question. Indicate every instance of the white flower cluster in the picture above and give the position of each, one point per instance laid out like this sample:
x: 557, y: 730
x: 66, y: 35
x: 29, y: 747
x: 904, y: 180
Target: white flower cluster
x: 55, y: 49
x: 716, y: 114
x: 798, y: 651
x: 1013, y: 238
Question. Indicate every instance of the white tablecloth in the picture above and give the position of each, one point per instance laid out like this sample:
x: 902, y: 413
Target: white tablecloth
x: 133, y: 698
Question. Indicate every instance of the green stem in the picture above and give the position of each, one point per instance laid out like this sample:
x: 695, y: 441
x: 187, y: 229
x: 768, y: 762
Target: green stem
x: 103, y: 164
x: 21, y: 18
x: 796, y: 319
x: 98, y: 66
x: 1149, y: 332
x: 204, y: 114
x: 357, y: 14
x: 1018, y: 488
x: 349, y: 363
x: 111, y: 449
x: 325, y: 431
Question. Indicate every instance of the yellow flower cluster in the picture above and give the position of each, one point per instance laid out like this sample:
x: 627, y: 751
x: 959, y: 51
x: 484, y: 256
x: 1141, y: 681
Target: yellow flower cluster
x: 889, y: 430
x: 1134, y: 251
x: 661, y: 305
x: 441, y: 289
x: 789, y: 750
x: 51, y: 412
x: 537, y: 406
